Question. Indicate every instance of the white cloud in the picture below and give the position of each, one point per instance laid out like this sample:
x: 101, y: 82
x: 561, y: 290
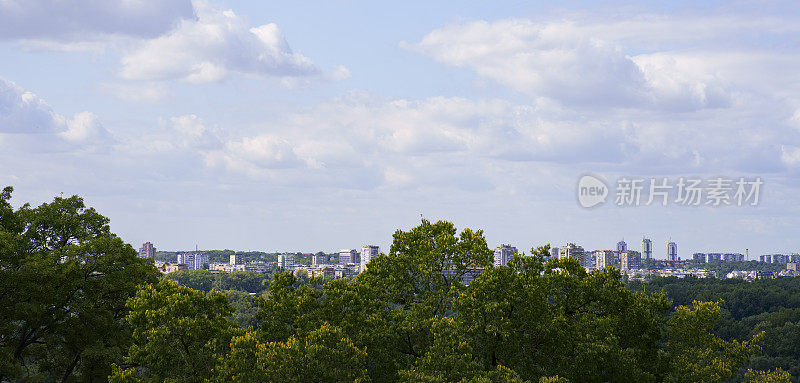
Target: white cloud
x: 85, y: 127
x: 632, y: 63
x: 211, y: 48
x: 790, y: 155
x: 136, y: 92
x: 25, y: 115
x: 68, y: 21
x: 24, y: 112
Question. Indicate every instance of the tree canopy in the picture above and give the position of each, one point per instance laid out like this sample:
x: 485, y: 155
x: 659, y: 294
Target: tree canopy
x: 77, y: 304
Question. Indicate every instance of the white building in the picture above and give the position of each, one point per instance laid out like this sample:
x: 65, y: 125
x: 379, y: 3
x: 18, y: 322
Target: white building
x: 630, y: 259
x: 236, y: 259
x: 286, y: 261
x: 367, y: 253
x: 672, y: 251
x: 606, y: 258
x: 347, y: 256
x: 503, y: 254
x: 571, y: 250
x: 193, y: 261
x: 319, y: 259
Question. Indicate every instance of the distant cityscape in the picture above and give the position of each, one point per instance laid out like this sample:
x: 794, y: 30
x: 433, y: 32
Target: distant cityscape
x: 632, y: 263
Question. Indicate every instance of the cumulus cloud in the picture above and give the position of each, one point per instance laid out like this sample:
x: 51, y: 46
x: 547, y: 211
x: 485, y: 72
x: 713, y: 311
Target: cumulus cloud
x: 24, y: 115
x: 214, y: 46
x: 68, y: 21
x: 631, y: 63
x: 23, y: 112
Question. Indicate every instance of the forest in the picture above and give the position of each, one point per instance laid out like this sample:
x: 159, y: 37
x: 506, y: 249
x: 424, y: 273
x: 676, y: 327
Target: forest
x: 77, y: 304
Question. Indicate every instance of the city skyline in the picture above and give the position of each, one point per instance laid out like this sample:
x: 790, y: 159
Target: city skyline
x: 239, y: 124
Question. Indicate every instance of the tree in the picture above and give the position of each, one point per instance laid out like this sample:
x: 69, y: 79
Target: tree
x: 64, y: 280
x: 322, y: 355
x: 201, y: 280
x: 545, y: 319
x: 179, y: 334
x: 696, y: 354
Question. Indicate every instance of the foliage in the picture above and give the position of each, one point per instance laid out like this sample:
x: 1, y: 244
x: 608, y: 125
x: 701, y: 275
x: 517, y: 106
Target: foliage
x: 64, y: 281
x: 409, y: 317
x: 204, y: 280
x: 771, y: 306
x: 179, y: 334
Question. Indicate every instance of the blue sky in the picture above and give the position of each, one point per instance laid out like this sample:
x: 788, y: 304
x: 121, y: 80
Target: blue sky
x: 324, y: 125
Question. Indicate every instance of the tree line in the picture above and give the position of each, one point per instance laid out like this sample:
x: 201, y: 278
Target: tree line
x: 77, y: 304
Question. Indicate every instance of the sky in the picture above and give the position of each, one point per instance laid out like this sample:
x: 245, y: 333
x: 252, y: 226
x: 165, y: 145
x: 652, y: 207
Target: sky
x: 323, y: 125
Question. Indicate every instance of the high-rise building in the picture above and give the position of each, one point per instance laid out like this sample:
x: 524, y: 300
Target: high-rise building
x: 765, y: 258
x: 185, y: 259
x: 699, y: 257
x: 711, y: 257
x: 367, y: 253
x: 554, y: 252
x: 347, y: 256
x: 503, y: 254
x: 571, y: 250
x: 200, y: 260
x: 147, y: 250
x: 647, y: 248
x: 606, y: 258
x: 193, y: 261
x: 622, y: 246
x: 319, y: 259
x: 630, y: 259
x: 286, y: 261
x: 672, y: 251
x: 236, y: 259
x: 780, y: 258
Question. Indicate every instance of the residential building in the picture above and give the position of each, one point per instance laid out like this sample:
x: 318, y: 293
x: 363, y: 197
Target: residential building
x: 672, y: 251
x: 571, y: 250
x: 606, y: 258
x: 699, y: 257
x: 193, y: 261
x: 286, y: 261
x: 711, y: 257
x: 765, y: 258
x: 780, y: 258
x: 147, y: 251
x: 348, y: 256
x: 630, y: 259
x: 622, y: 246
x: 237, y: 259
x: 503, y: 254
x: 319, y: 259
x: 647, y: 248
x: 367, y: 253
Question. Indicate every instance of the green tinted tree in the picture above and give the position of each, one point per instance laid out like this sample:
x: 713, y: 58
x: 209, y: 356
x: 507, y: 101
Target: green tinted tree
x: 179, y: 334
x: 64, y: 280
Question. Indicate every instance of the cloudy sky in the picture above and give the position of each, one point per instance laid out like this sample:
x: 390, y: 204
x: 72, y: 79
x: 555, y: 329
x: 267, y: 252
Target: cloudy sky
x: 329, y: 124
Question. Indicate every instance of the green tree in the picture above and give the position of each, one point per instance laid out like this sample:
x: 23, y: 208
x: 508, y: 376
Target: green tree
x: 696, y: 354
x: 322, y: 355
x: 201, y: 280
x: 64, y: 280
x: 179, y: 334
